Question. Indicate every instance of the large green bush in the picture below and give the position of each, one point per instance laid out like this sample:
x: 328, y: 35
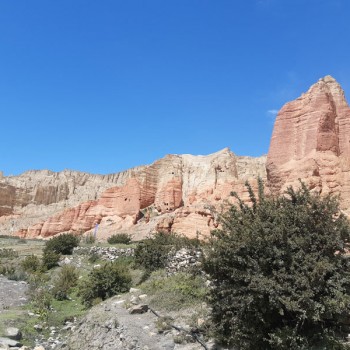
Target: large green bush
x: 279, y: 274
x: 62, y: 244
x: 105, y: 281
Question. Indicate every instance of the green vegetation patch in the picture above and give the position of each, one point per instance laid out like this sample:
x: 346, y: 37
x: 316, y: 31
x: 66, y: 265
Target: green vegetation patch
x: 280, y: 276
x: 175, y: 292
x: 120, y: 238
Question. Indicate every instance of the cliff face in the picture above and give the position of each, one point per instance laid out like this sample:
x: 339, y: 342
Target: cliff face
x: 311, y: 142
x: 175, y: 193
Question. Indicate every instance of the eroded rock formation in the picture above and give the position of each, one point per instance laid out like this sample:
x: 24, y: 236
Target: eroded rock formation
x: 175, y: 193
x: 311, y: 142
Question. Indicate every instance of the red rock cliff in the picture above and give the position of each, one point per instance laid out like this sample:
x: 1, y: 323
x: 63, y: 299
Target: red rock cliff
x: 175, y: 193
x: 311, y: 142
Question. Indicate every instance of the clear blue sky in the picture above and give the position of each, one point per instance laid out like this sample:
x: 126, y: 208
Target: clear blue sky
x: 104, y: 85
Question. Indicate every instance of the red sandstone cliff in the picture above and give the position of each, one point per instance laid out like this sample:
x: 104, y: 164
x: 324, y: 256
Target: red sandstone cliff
x: 311, y: 142
x: 175, y: 193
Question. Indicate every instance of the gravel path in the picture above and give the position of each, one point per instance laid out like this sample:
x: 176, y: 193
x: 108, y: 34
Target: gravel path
x: 110, y: 327
x: 12, y: 294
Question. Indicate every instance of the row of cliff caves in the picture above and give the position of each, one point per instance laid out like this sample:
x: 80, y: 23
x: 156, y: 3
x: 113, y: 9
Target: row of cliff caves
x: 183, y: 193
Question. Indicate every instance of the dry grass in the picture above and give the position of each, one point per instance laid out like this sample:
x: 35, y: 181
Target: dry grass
x: 23, y: 247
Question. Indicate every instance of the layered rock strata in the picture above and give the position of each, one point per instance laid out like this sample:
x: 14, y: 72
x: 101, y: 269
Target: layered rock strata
x: 176, y: 193
x: 311, y: 142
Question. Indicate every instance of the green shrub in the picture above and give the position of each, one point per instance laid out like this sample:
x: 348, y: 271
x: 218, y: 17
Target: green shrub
x: 39, y: 295
x: 105, y: 281
x: 31, y: 263
x: 12, y: 271
x: 22, y: 241
x: 50, y: 259
x: 7, y: 269
x: 280, y: 279
x: 93, y: 257
x: 67, y: 279
x: 8, y: 253
x: 152, y: 253
x: 120, y: 238
x: 90, y: 239
x: 17, y: 275
x: 62, y: 244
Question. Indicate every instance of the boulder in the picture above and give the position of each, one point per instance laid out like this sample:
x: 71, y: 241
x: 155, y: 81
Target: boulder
x: 138, y: 309
x: 9, y: 342
x: 13, y: 333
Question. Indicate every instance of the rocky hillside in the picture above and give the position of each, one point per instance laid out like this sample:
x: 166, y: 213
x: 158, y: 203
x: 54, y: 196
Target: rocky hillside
x: 310, y: 141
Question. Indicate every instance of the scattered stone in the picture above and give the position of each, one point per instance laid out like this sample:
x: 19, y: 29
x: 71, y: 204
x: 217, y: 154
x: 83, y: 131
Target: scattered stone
x: 65, y: 261
x: 183, y: 260
x: 135, y: 290
x: 9, y: 342
x: 13, y: 333
x: 142, y: 296
x: 200, y: 322
x: 138, y: 309
x: 134, y: 300
x: 105, y: 253
x: 38, y: 327
x: 40, y: 347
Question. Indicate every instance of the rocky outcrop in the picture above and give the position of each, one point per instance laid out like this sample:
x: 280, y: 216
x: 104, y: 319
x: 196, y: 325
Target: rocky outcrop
x: 177, y: 192
x: 311, y: 142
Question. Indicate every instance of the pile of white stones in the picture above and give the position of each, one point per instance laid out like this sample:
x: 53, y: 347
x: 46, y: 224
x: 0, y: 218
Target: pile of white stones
x: 183, y: 260
x: 106, y: 253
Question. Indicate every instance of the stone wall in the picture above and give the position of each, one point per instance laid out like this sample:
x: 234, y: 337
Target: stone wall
x: 178, y: 261
x: 106, y: 253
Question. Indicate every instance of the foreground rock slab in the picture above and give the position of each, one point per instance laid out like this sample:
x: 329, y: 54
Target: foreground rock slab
x: 9, y: 342
x: 13, y: 333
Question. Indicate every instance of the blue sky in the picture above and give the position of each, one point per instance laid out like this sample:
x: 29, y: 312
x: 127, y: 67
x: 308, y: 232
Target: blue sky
x: 101, y: 86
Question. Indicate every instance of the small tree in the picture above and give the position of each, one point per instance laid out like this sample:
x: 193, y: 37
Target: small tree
x: 31, y: 264
x: 66, y: 279
x: 104, y: 282
x: 50, y: 259
x: 62, y: 244
x: 279, y: 273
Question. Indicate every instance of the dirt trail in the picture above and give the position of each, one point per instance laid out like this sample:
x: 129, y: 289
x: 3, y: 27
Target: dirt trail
x: 111, y: 327
x: 12, y: 294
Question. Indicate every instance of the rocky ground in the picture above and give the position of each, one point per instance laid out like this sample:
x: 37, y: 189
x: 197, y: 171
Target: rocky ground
x: 12, y: 294
x: 110, y: 325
